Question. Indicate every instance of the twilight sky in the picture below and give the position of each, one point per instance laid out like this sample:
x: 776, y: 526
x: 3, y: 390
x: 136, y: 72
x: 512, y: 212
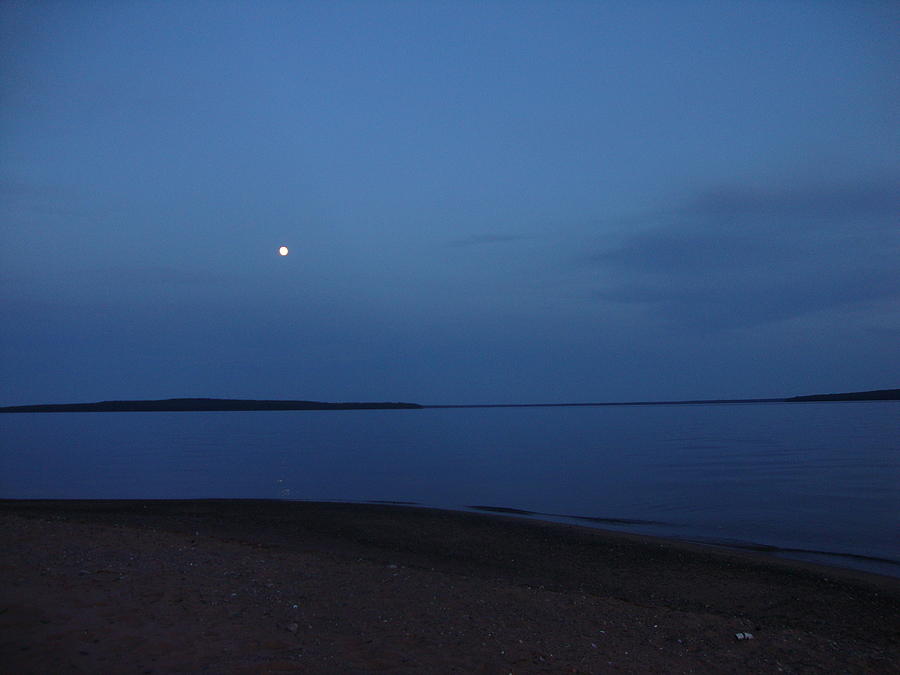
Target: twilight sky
x: 484, y: 201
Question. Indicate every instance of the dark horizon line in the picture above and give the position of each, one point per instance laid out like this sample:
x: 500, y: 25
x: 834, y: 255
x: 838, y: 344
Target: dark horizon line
x: 202, y: 404
x: 241, y: 405
x: 872, y: 395
x: 608, y: 403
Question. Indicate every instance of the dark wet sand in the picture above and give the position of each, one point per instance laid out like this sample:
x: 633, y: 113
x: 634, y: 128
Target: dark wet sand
x: 267, y: 587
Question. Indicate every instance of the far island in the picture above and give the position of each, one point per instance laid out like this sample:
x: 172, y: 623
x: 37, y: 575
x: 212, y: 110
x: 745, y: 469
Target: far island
x: 235, y: 404
x: 876, y: 395
x: 204, y: 405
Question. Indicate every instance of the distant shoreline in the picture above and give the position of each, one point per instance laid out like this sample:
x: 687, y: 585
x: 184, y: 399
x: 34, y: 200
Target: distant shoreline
x: 876, y: 395
x: 245, y: 405
x: 206, y: 405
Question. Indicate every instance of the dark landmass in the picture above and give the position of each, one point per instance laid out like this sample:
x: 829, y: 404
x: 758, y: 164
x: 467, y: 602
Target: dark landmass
x: 876, y: 395
x: 204, y: 405
x: 589, y: 405
x: 232, y: 404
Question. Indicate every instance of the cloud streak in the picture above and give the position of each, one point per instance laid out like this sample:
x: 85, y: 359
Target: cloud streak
x: 730, y: 258
x: 802, y: 204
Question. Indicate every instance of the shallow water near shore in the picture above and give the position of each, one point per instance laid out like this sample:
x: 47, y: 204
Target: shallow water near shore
x: 816, y: 481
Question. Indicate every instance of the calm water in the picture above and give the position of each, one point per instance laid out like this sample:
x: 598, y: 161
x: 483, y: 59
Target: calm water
x: 819, y: 477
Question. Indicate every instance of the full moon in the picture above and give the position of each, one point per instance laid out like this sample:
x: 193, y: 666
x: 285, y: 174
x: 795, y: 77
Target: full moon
x: 283, y: 250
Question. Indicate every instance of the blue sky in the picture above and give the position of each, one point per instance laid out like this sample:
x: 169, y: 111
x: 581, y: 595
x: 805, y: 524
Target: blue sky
x: 484, y: 202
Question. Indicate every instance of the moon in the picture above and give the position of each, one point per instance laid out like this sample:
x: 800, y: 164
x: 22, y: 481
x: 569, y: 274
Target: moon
x: 283, y: 250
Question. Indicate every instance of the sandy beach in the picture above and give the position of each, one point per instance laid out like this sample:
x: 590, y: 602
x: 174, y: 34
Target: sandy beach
x: 238, y: 586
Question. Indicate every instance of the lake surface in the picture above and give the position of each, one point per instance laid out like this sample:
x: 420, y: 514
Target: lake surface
x: 818, y: 481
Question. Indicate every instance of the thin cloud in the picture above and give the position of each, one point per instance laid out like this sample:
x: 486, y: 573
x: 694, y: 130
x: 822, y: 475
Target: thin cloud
x: 800, y: 203
x: 738, y: 257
